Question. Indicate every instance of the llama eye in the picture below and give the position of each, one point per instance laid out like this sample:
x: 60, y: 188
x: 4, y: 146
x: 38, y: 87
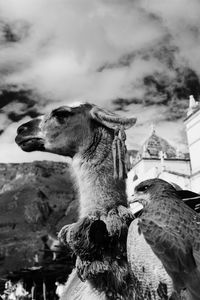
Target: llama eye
x: 61, y: 113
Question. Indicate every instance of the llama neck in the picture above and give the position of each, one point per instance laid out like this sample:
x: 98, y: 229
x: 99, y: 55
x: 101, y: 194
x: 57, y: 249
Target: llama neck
x: 99, y: 191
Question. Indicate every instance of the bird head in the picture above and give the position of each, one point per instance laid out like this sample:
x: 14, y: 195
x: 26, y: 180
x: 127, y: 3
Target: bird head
x: 152, y: 190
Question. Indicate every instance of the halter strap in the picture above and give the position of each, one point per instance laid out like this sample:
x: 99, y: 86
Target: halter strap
x: 119, y: 152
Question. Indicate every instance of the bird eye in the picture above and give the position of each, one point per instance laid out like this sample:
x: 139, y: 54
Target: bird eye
x: 142, y: 188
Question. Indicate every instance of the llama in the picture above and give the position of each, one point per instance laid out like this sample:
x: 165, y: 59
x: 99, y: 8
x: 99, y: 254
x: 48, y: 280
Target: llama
x: 95, y: 140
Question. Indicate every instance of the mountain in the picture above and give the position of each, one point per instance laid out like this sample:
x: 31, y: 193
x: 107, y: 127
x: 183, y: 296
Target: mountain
x: 36, y: 200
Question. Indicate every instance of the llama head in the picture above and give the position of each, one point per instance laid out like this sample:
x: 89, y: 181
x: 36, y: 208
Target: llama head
x: 68, y: 130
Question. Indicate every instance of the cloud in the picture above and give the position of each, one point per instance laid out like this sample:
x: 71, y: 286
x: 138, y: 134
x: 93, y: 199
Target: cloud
x: 181, y: 20
x: 59, y: 46
x: 97, y: 51
x: 63, y: 47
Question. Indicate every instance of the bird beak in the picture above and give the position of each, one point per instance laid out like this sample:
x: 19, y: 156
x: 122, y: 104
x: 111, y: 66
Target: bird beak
x: 134, y: 199
x: 136, y: 205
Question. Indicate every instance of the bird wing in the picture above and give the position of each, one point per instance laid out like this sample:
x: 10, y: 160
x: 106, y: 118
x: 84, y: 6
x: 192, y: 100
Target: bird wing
x: 175, y: 224
x: 147, y: 270
x: 175, y: 250
x: 168, y: 245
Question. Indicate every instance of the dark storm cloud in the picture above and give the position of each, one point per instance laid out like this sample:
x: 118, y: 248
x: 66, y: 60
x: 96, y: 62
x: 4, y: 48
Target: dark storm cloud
x: 13, y: 32
x: 137, y: 51
x: 97, y: 49
x: 17, y: 104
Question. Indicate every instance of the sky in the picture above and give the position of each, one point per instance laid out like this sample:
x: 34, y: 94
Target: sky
x: 69, y: 51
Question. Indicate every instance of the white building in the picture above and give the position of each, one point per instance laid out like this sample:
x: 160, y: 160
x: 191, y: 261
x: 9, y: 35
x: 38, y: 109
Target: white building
x: 192, y: 123
x: 157, y: 158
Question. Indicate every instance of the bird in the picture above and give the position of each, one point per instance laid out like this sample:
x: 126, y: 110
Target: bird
x: 172, y: 230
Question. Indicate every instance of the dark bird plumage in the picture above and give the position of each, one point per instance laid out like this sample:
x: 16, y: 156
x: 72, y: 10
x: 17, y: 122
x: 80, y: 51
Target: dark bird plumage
x: 172, y: 230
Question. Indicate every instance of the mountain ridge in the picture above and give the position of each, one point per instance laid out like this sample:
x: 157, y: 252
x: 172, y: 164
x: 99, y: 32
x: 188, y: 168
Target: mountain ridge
x: 36, y: 200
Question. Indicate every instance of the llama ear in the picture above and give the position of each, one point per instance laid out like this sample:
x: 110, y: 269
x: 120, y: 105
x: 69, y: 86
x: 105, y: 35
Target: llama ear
x: 111, y: 120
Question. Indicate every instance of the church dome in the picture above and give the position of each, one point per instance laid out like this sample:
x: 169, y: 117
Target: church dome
x: 155, y: 146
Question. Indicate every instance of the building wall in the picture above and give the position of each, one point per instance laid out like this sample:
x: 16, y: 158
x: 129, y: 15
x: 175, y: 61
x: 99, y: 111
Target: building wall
x: 151, y: 168
x: 195, y: 182
x: 180, y: 166
x: 193, y: 135
x: 181, y: 181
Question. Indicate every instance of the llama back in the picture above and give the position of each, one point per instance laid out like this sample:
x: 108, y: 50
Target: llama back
x: 79, y: 290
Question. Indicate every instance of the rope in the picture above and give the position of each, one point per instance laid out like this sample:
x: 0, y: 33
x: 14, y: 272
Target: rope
x: 119, y: 152
x: 124, y: 152
x: 120, y: 159
x: 114, y: 152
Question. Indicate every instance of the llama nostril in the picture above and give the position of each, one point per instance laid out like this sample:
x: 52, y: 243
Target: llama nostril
x: 21, y: 129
